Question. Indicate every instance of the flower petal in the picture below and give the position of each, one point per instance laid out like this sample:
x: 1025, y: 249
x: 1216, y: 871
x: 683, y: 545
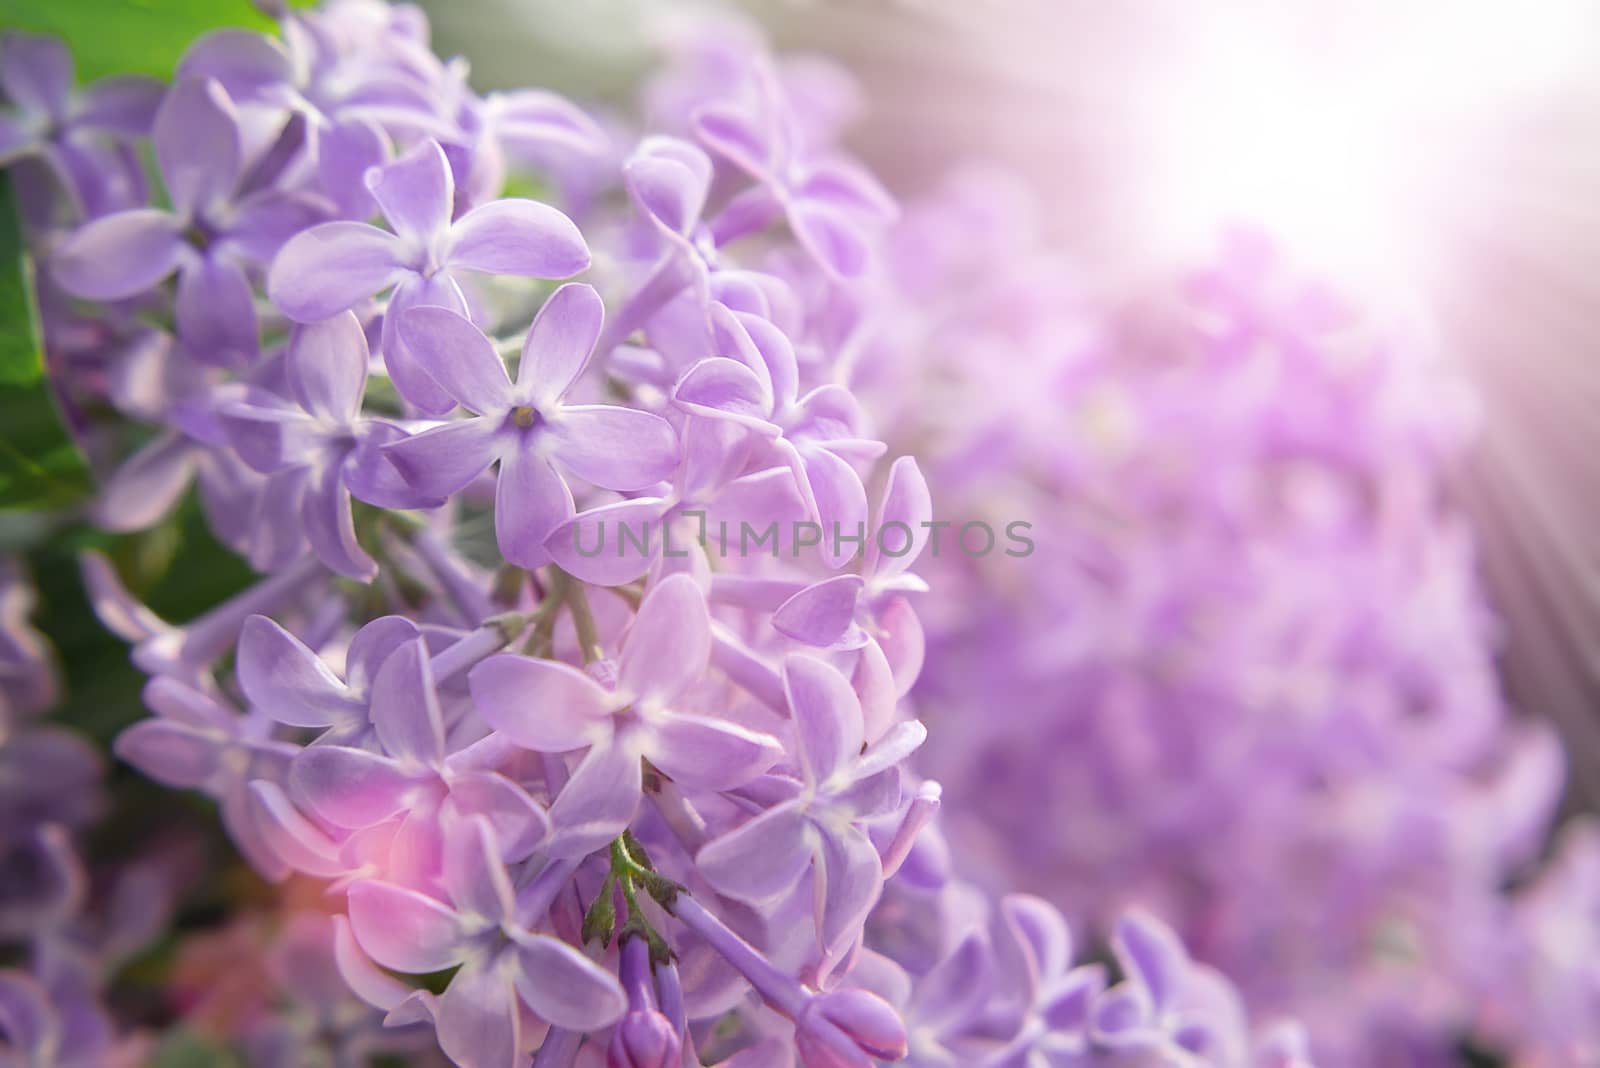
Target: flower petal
x: 330, y: 528
x: 705, y: 753
x: 119, y: 256
x: 821, y: 613
x: 327, y: 367
x: 669, y: 645
x: 440, y: 461
x: 559, y: 343
x: 36, y: 73
x: 284, y: 679
x: 477, y: 1020
x: 416, y: 193
x: 404, y: 930
x: 474, y: 874
x: 566, y: 988
x: 723, y: 388
x: 519, y: 822
x: 349, y: 788
x: 598, y: 802
x: 827, y: 716
x: 405, y: 707
x: 763, y: 858
x: 288, y: 836
x: 148, y: 484
x: 196, y: 137
x: 409, y: 376
x: 518, y: 237
x: 124, y: 105
x: 615, y: 448
x: 531, y: 499
x: 543, y: 705
x: 173, y: 754
x: 457, y: 356
x: 907, y: 508
x: 216, y: 313
x: 331, y: 268
x: 668, y: 180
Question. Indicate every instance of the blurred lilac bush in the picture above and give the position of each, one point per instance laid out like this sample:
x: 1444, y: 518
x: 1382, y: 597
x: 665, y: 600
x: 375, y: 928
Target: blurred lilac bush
x: 532, y: 788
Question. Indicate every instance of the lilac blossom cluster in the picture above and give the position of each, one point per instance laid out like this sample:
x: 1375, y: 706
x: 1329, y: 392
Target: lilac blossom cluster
x: 1249, y: 682
x: 631, y: 809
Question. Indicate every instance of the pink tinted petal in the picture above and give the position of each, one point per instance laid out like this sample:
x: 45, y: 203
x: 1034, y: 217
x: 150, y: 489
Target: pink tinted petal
x: 543, y: 705
x: 564, y: 987
x: 366, y: 980
x: 216, y: 313
x: 283, y: 678
x: 331, y: 268
x: 518, y: 237
x: 409, y: 376
x: 147, y: 485
x: 724, y: 389
x: 36, y: 73
x: 196, y: 136
x: 907, y: 506
x: 710, y: 754
x: 615, y: 448
x: 404, y: 930
x: 849, y: 188
x: 330, y: 527
x: 476, y: 1018
x: 457, y: 356
x: 440, y: 461
x: 821, y: 613
x: 559, y: 343
x: 598, y: 802
x: 327, y: 367
x: 612, y: 544
x: 349, y: 788
x: 827, y: 716
x: 416, y: 193
x: 124, y: 105
x: 405, y: 707
x: 759, y: 860
x: 173, y: 754
x: 519, y: 822
x: 118, y: 256
x: 474, y: 874
x: 669, y: 645
x: 531, y: 499
x: 288, y: 836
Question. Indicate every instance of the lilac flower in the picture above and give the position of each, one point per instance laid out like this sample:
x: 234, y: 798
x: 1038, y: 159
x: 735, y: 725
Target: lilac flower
x: 220, y: 225
x: 527, y: 427
x: 817, y: 829
x: 553, y: 707
x: 51, y: 121
x: 330, y: 268
x: 500, y: 960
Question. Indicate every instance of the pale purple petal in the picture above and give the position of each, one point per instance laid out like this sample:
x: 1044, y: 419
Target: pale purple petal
x: 331, y: 268
x: 519, y: 822
x: 907, y: 506
x: 345, y: 152
x: 669, y: 180
x: 593, y: 547
x: 763, y: 858
x: 283, y: 678
x: 616, y: 448
x: 531, y: 499
x: 821, y: 613
x: 247, y: 64
x: 327, y: 367
x: 564, y: 987
x: 408, y: 374
x: 216, y: 313
x: 841, y: 503
x: 457, y: 356
x: 125, y: 105
x: 349, y: 788
x: 119, y: 255
x: 710, y: 754
x: 365, y: 979
x: 723, y: 388
x: 330, y: 528
x: 827, y: 716
x: 559, y: 343
x: 173, y: 754
x: 834, y: 239
x: 476, y: 1018
x: 543, y: 705
x: 850, y: 877
x: 197, y: 145
x: 404, y: 930
x: 518, y: 237
x: 440, y: 461
x: 36, y: 73
x: 26, y: 1018
x: 736, y: 136
x: 147, y: 485
x: 669, y: 644
x: 416, y: 193
x: 288, y: 835
x: 598, y: 802
x: 1149, y: 952
x: 474, y: 874
x: 405, y: 707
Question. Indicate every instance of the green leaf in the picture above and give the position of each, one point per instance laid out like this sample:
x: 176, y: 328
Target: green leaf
x: 40, y: 466
x: 128, y: 36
